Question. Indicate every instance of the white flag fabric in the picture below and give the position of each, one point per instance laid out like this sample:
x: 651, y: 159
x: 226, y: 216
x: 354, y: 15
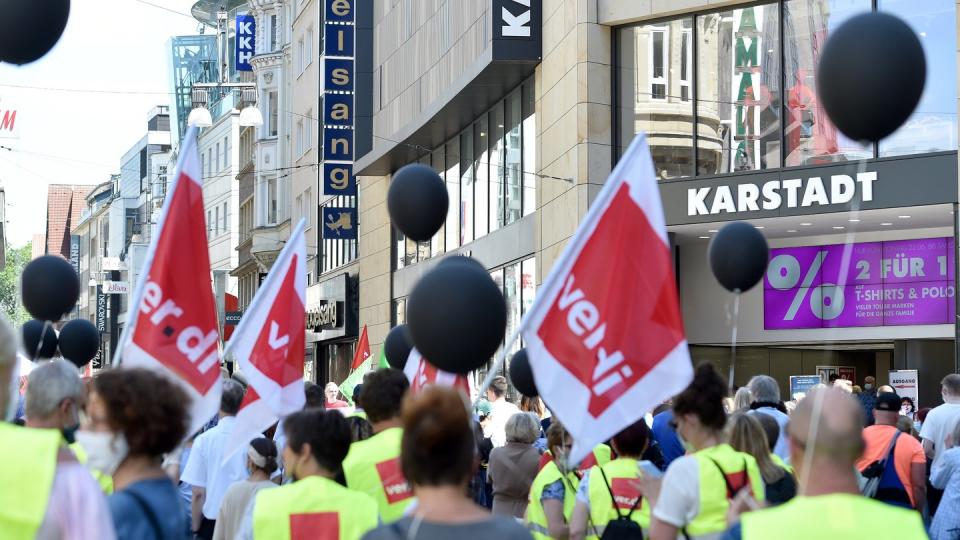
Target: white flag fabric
x: 421, y: 373
x: 268, y: 345
x: 172, y: 321
x: 605, y: 335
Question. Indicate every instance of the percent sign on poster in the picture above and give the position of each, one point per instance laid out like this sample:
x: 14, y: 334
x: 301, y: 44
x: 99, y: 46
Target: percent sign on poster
x: 904, y: 282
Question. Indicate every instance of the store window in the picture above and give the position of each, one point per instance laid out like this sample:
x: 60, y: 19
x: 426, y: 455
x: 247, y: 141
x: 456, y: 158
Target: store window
x: 738, y: 94
x: 490, y: 172
x: 735, y: 89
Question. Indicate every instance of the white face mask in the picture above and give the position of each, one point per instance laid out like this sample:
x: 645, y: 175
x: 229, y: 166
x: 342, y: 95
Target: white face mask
x: 105, y: 450
x: 867, y: 386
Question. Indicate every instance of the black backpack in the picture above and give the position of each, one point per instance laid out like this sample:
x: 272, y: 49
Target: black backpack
x: 622, y: 528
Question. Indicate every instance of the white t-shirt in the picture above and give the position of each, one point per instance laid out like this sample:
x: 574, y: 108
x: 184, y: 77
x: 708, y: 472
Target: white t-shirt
x: 500, y: 411
x: 940, y: 421
x: 679, y: 501
x: 205, y: 467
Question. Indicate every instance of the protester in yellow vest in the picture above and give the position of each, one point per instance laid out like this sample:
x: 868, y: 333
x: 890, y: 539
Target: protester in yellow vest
x: 695, y: 493
x: 554, y: 489
x: 55, y: 395
x: 825, y: 435
x: 313, y: 505
x: 438, y: 457
x: 373, y: 465
x: 34, y: 462
x: 611, y: 491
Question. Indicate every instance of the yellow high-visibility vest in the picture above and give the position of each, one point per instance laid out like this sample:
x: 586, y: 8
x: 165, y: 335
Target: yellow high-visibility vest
x: 29, y: 458
x: 838, y: 515
x: 104, y: 480
x: 622, y: 475
x: 312, y: 507
x: 741, y: 471
x: 536, y: 518
x: 373, y: 467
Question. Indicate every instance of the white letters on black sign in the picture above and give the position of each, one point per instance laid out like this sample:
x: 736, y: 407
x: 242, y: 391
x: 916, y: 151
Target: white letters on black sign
x: 516, y: 24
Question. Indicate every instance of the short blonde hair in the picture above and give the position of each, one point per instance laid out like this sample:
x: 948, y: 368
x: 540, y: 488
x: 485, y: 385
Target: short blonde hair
x: 523, y: 428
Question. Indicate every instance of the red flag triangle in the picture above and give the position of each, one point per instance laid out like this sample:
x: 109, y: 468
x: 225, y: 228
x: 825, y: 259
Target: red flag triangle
x: 363, y: 349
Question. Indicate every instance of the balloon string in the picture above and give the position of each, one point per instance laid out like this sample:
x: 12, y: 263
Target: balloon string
x: 43, y: 334
x: 733, y: 348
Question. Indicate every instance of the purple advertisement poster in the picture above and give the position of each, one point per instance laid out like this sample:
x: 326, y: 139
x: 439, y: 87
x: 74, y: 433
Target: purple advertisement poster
x: 903, y: 282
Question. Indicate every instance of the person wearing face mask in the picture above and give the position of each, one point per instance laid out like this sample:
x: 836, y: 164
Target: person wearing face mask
x: 693, y: 498
x: 261, y: 463
x: 135, y: 416
x: 553, y: 492
x: 313, y: 505
x: 55, y: 395
x: 908, y: 409
x: 868, y: 398
x: 45, y: 492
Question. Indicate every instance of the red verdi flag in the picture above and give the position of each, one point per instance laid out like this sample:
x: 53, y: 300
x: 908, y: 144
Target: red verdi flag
x: 363, y: 350
x: 605, y: 335
x: 173, y: 324
x: 269, y: 343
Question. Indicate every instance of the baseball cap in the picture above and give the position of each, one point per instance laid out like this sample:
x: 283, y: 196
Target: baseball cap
x: 887, y: 402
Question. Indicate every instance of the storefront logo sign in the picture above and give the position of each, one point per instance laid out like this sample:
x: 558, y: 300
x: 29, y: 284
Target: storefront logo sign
x: 246, y: 37
x: 516, y: 24
x: 327, y: 315
x: 772, y: 195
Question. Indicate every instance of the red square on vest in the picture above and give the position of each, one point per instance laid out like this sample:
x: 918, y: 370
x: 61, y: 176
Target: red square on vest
x: 625, y: 492
x: 395, y: 486
x: 315, y: 526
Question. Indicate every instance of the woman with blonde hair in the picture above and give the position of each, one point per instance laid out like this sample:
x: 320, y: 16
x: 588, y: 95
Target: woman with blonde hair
x: 745, y: 434
x: 742, y: 400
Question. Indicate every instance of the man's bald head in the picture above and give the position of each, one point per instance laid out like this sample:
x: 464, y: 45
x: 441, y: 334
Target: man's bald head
x: 828, y: 422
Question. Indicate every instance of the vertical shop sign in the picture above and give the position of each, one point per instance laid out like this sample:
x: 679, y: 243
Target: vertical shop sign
x: 337, y: 100
x: 245, y: 40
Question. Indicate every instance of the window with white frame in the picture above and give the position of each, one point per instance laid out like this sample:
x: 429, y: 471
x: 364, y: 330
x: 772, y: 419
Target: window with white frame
x: 686, y: 62
x: 274, y: 31
x: 219, y: 166
x: 226, y: 151
x: 307, y: 206
x: 657, y: 63
x: 300, y: 140
x: 309, y: 47
x: 301, y: 61
x: 274, y: 113
x: 225, y: 222
x: 307, y: 132
x: 272, y: 200
x: 216, y: 220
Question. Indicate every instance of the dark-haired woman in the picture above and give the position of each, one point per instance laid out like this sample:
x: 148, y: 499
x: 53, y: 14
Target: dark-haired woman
x: 261, y: 464
x: 313, y: 505
x: 134, y: 417
x: 438, y: 458
x: 695, y: 493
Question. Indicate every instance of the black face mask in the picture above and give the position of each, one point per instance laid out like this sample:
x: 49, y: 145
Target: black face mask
x: 69, y: 433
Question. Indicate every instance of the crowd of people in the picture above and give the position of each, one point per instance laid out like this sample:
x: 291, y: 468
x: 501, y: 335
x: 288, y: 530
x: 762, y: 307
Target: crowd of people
x: 399, y: 465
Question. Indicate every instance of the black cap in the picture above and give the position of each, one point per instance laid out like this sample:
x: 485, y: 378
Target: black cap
x: 887, y: 401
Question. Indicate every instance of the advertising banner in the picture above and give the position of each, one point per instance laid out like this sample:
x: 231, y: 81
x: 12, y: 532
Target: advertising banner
x: 903, y: 282
x: 75, y: 253
x: 116, y: 287
x: 101, y: 310
x: 906, y: 383
x: 801, y: 384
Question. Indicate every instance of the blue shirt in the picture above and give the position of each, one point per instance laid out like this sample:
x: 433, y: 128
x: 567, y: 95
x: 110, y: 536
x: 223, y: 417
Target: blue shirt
x: 781, y: 449
x: 159, y: 510
x: 666, y: 437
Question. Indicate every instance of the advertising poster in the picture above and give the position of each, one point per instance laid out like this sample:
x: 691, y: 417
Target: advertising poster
x: 904, y: 282
x: 847, y: 373
x: 906, y: 383
x: 801, y: 384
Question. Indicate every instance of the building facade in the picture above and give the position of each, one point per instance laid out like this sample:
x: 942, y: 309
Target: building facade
x: 65, y: 202
x: 524, y: 110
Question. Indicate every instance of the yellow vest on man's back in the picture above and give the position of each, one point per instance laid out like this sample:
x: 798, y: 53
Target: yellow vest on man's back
x: 373, y: 467
x: 312, y: 507
x: 29, y: 460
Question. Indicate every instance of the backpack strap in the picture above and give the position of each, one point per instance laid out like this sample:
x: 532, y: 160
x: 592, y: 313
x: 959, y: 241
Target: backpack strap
x: 724, y: 475
x: 614, y: 499
x: 891, y: 448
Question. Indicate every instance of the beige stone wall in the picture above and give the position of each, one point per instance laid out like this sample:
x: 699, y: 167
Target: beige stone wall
x: 616, y: 12
x: 374, y: 259
x: 574, y: 136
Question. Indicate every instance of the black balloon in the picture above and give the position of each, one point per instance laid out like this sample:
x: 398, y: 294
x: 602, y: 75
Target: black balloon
x: 79, y: 341
x: 32, y: 331
x: 521, y: 375
x: 30, y: 28
x: 738, y: 256
x: 871, y: 75
x: 49, y: 288
x: 417, y: 201
x: 457, y: 317
x: 397, y: 346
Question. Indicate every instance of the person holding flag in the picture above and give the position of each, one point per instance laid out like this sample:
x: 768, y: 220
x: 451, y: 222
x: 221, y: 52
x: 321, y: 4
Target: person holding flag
x: 268, y: 346
x: 172, y: 326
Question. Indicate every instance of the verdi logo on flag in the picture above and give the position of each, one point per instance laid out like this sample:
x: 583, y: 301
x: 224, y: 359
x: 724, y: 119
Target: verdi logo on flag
x: 605, y: 336
x: 173, y: 321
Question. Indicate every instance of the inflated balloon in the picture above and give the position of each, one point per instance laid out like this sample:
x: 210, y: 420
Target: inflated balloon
x: 417, y: 201
x: 30, y: 28
x: 33, y: 332
x: 397, y: 346
x: 521, y: 375
x: 738, y: 256
x: 49, y: 288
x: 457, y: 317
x: 871, y: 75
x: 79, y: 341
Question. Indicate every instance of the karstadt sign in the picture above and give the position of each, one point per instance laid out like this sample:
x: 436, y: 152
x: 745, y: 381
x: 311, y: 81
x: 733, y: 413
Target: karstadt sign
x: 896, y: 182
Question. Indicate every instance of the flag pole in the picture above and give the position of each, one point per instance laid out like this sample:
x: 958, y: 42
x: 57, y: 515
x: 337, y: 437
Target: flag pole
x: 498, y: 363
